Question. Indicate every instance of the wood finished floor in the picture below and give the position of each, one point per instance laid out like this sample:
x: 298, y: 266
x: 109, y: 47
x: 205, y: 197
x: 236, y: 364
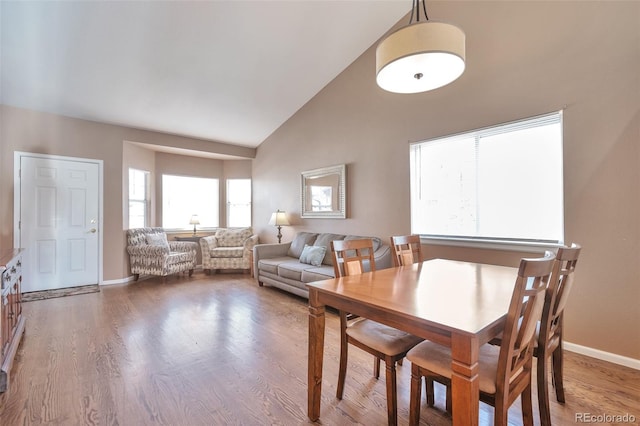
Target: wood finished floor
x: 219, y: 350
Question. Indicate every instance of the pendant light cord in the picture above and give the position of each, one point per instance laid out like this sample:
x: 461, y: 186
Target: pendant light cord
x: 415, y: 11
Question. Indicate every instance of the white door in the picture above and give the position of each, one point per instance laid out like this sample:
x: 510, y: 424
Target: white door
x: 58, y: 224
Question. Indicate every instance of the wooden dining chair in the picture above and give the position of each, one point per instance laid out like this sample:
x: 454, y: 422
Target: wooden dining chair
x: 352, y: 257
x: 549, y: 339
x: 406, y: 249
x: 504, y: 371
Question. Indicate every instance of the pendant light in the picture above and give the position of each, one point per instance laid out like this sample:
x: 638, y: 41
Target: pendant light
x: 422, y: 56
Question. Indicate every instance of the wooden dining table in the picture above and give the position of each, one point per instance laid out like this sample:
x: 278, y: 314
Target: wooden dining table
x: 461, y: 305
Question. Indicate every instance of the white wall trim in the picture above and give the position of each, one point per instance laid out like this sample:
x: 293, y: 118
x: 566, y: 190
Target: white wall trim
x: 124, y: 280
x: 602, y: 355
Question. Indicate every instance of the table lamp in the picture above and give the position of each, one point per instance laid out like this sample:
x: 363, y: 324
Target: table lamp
x: 279, y: 219
x: 194, y: 221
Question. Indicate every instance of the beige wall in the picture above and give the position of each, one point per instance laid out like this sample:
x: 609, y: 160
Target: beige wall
x: 42, y: 133
x: 523, y: 59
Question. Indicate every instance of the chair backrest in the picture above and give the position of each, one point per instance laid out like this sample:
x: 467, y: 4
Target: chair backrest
x: 525, y: 310
x: 558, y: 292
x: 406, y: 249
x: 350, y: 257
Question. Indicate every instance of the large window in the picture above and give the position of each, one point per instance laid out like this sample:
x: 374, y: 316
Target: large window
x: 138, y: 198
x: 184, y: 196
x: 238, y: 202
x: 502, y: 183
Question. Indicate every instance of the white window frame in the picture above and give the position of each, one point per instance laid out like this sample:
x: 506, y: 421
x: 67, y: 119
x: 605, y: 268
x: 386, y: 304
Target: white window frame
x: 208, y: 220
x: 533, y: 244
x: 230, y: 205
x: 145, y: 201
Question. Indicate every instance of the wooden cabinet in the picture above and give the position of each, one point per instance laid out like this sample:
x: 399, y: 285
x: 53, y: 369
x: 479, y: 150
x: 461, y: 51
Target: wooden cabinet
x: 12, y: 321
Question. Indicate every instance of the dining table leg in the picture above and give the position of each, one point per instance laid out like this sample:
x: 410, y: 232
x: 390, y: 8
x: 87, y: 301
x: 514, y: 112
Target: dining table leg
x: 316, y: 349
x: 465, y: 384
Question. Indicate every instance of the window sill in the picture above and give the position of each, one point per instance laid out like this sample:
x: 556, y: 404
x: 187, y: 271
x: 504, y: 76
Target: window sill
x: 505, y: 245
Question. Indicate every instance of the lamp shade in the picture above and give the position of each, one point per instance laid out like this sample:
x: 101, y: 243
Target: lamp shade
x: 194, y: 220
x: 279, y: 218
x: 420, y: 57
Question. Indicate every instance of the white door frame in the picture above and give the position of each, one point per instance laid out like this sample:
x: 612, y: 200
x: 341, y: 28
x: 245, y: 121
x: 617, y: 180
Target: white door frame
x: 17, y: 156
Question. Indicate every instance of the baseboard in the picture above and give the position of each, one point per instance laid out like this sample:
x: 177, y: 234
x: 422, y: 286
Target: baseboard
x: 124, y: 280
x: 130, y: 279
x: 602, y: 355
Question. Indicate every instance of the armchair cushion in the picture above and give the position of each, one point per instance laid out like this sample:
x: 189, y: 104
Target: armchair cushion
x: 157, y: 240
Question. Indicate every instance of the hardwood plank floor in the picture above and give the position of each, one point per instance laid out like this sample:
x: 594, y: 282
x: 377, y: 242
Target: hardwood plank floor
x: 219, y: 350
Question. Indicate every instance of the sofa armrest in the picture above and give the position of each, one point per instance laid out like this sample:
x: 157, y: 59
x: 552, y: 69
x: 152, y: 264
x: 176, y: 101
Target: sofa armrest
x: 382, y: 256
x: 183, y: 246
x: 207, y: 243
x: 268, y: 251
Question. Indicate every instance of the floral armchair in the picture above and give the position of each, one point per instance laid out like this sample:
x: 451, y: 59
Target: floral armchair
x: 228, y: 248
x: 151, y: 253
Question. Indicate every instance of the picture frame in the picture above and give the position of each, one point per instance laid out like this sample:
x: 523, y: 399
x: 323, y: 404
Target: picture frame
x: 323, y: 193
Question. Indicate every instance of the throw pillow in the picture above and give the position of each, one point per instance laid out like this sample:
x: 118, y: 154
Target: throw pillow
x: 157, y: 240
x: 298, y: 243
x: 312, y: 255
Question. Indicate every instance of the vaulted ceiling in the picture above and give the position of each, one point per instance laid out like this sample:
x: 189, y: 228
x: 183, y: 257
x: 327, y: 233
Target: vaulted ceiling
x: 225, y: 71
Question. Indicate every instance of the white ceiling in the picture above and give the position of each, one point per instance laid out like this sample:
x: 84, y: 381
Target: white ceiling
x: 226, y: 71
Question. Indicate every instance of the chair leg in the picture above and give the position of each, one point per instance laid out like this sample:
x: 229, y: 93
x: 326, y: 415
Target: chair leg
x: 543, y: 390
x: 190, y: 272
x: 428, y: 384
x: 415, y: 396
x: 557, y: 373
x: 136, y: 276
x: 376, y: 367
x: 527, y: 407
x: 501, y: 413
x: 392, y: 398
x: 342, y: 372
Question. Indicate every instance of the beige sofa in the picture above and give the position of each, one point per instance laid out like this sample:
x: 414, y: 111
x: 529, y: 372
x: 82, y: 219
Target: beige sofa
x: 228, y: 248
x: 279, y: 265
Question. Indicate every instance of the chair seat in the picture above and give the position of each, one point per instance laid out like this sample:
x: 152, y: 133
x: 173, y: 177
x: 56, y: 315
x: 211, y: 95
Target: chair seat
x: 382, y: 338
x: 437, y: 359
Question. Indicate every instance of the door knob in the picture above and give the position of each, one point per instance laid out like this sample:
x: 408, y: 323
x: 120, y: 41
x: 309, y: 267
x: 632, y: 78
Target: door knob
x: 93, y: 230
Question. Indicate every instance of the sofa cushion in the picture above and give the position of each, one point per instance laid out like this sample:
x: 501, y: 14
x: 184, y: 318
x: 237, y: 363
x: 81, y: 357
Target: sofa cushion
x: 377, y: 242
x: 232, y: 237
x: 298, y: 243
x: 313, y: 255
x: 325, y: 241
x: 271, y: 264
x: 320, y: 273
x: 223, y: 252
x: 292, y: 270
